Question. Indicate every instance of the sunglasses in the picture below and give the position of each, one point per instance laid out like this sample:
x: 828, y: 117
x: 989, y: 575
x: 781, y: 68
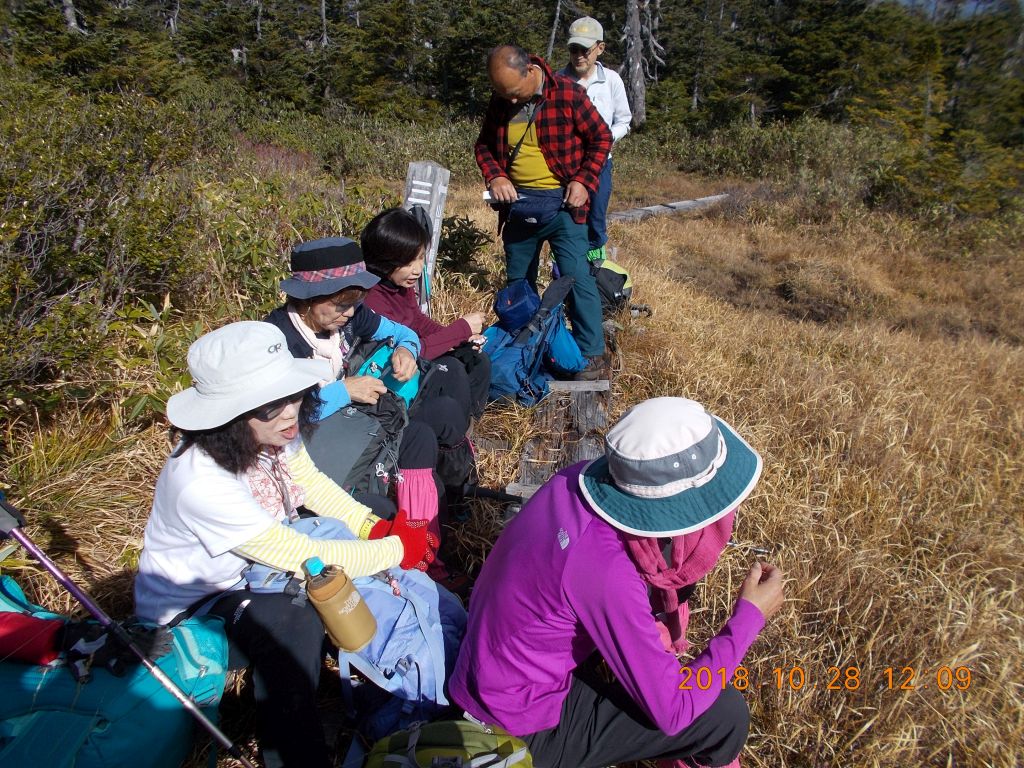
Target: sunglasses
x: 271, y: 411
x: 342, y: 307
x: 579, y: 50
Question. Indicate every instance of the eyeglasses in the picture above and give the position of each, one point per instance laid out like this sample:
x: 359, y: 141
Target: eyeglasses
x: 341, y: 307
x: 579, y: 50
x: 271, y: 411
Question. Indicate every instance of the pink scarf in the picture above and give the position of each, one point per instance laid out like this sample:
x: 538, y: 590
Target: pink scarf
x: 272, y: 485
x: 693, y: 556
x: 331, y: 349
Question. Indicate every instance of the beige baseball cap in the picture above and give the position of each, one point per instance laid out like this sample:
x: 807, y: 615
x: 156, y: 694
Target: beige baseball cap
x: 585, y: 32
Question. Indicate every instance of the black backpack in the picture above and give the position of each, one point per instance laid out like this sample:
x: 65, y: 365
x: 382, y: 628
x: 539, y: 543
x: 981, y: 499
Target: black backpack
x: 613, y: 283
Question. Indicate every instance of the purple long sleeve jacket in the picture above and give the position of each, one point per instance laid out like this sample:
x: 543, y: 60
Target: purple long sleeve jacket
x: 559, y: 584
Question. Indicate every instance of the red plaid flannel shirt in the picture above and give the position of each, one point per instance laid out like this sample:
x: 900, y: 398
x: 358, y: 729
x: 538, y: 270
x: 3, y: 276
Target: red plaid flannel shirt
x: 574, y: 139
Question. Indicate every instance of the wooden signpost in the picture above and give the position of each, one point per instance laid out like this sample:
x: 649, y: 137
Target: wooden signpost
x: 426, y: 185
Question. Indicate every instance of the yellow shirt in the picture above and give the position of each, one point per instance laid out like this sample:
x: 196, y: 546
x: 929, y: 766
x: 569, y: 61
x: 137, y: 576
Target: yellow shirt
x: 529, y: 169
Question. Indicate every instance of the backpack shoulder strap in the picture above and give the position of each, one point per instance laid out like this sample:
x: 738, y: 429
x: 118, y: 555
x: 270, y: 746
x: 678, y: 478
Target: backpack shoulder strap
x: 433, y: 643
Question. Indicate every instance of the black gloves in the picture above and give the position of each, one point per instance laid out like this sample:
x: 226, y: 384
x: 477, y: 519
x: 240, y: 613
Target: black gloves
x: 87, y: 645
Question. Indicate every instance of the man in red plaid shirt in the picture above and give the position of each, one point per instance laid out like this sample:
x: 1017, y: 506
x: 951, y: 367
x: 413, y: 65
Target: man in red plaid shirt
x: 543, y: 145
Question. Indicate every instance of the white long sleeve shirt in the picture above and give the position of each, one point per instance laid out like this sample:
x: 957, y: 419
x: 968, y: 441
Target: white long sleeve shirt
x: 608, y: 93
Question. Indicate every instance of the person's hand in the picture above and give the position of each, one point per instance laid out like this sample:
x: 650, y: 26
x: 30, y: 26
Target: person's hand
x: 576, y: 195
x: 503, y: 190
x: 364, y: 389
x: 763, y: 587
x: 419, y: 545
x: 476, y: 321
x: 403, y: 364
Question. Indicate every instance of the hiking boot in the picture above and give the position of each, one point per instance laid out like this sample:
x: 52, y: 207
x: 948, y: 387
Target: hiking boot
x: 593, y: 370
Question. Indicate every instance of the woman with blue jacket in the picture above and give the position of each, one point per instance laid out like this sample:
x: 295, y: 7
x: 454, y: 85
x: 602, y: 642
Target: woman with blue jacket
x: 325, y: 319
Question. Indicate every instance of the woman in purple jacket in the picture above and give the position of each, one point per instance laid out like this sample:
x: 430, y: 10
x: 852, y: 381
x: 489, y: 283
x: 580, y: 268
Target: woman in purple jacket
x: 571, y: 574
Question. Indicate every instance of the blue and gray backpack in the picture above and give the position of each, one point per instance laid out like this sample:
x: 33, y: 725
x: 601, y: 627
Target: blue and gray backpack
x: 409, y: 658
x: 524, y: 361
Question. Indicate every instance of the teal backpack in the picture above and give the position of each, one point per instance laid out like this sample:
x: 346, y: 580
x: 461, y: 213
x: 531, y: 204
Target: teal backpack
x: 377, y: 363
x: 48, y: 719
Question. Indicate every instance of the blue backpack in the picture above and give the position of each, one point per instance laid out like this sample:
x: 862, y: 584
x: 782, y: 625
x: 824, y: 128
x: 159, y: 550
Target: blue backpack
x: 515, y: 304
x: 49, y: 719
x: 523, y: 363
x: 417, y: 641
x: 415, y: 646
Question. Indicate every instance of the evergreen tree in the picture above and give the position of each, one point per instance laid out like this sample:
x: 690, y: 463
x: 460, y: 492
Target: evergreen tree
x: 719, y: 62
x: 984, y: 64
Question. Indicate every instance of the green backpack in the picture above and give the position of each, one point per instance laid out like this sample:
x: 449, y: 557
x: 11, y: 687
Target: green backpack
x: 450, y: 744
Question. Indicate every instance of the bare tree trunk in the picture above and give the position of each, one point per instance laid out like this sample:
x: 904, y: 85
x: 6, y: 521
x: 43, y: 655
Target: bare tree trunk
x: 652, y: 56
x: 172, y: 20
x: 71, y: 17
x: 259, y: 19
x: 1014, y: 55
x: 633, y: 64
x: 324, y: 40
x: 554, y: 28
x: 699, y: 65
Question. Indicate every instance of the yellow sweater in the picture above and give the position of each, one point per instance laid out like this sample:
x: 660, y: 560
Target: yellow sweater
x: 283, y: 548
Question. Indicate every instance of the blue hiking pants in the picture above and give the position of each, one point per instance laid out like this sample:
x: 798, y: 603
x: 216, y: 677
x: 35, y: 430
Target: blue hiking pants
x: 597, y: 220
x: 568, y: 241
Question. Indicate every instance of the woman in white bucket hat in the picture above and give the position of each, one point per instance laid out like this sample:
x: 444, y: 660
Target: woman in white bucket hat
x: 226, y: 498
x: 571, y: 575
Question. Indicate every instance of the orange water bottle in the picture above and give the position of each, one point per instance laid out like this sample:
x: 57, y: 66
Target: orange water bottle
x: 346, y: 616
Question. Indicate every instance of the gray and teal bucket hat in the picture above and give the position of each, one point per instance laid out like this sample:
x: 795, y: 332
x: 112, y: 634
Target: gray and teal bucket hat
x: 669, y: 468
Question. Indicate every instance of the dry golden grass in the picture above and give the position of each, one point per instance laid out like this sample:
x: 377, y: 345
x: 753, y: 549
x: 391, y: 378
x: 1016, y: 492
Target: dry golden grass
x: 892, y: 493
x: 892, y: 497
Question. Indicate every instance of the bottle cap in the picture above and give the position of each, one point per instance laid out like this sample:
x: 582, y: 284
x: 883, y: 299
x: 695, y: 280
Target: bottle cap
x: 313, y: 567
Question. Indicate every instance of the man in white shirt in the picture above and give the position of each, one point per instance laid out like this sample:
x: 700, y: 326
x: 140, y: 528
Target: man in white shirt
x: 607, y: 92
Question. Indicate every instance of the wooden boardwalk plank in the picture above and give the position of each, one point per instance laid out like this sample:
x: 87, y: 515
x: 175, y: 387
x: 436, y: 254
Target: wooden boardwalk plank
x: 681, y: 206
x: 570, y: 424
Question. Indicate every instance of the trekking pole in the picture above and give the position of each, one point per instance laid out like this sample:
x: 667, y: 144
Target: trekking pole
x: 11, y: 521
x: 478, y: 492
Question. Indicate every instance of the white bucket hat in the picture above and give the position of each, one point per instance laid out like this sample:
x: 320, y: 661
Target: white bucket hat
x: 238, y: 368
x: 669, y: 468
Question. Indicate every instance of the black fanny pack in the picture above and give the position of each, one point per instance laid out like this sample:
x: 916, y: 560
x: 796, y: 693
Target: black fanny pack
x: 536, y: 207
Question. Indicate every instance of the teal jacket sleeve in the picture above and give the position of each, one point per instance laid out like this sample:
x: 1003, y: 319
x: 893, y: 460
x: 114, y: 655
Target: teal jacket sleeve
x: 404, y: 336
x: 333, y: 397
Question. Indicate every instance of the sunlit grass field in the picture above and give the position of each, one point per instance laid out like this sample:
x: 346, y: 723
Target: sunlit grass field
x: 879, y: 376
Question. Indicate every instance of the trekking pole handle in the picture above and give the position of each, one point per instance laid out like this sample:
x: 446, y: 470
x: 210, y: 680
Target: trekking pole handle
x: 10, y: 518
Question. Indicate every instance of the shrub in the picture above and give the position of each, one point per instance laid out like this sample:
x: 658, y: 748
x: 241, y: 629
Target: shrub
x: 461, y: 242
x: 836, y: 169
x: 96, y: 210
